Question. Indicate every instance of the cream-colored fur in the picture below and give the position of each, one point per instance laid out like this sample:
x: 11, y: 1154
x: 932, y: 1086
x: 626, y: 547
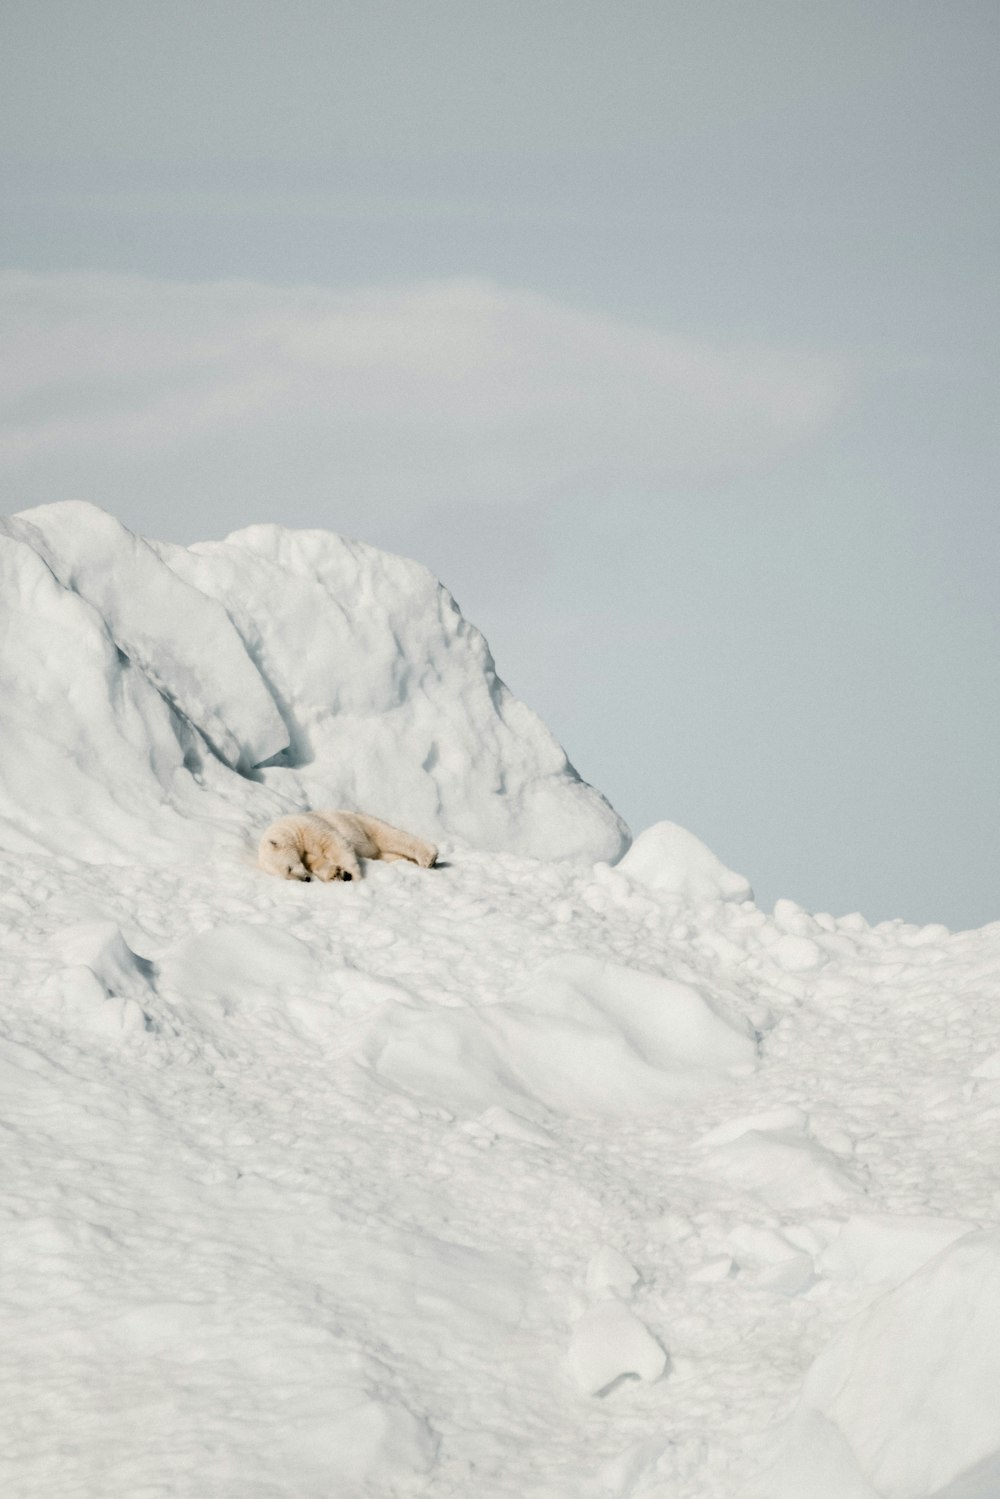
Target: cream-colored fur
x: 330, y: 846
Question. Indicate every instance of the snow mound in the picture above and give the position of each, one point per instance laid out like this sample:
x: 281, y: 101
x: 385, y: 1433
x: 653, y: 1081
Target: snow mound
x: 233, y: 971
x: 371, y: 1442
x: 774, y: 1159
x: 585, y: 1037
x: 103, y: 985
x: 905, y: 1402
x: 670, y: 860
x: 157, y: 698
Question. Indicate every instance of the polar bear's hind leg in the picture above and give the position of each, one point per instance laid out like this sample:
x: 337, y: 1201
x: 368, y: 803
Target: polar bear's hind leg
x: 393, y: 843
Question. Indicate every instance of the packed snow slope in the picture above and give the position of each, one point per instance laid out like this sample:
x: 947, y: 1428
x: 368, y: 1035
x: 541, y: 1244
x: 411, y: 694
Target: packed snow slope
x: 546, y: 1174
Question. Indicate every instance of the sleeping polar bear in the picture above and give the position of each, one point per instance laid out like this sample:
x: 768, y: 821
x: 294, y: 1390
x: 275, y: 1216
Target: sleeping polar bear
x: 329, y: 845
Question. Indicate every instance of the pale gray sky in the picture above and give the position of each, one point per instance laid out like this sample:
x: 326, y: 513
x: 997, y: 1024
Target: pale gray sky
x: 666, y: 334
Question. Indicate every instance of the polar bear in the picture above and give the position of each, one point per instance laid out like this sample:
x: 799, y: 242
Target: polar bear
x: 330, y: 845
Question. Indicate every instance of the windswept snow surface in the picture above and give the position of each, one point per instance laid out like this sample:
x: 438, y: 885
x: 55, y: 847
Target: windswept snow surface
x: 520, y: 1178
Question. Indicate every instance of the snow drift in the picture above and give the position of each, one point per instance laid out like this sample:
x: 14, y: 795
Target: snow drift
x: 584, y: 1037
x: 163, y: 696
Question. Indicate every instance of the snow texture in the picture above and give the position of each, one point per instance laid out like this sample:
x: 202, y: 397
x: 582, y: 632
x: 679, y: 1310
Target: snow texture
x: 526, y: 1177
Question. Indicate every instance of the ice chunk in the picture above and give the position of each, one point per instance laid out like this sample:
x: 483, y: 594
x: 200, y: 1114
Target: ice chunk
x: 610, y: 1272
x: 608, y: 1343
x: 719, y: 1267
x: 233, y: 970
x: 670, y: 860
x: 796, y: 954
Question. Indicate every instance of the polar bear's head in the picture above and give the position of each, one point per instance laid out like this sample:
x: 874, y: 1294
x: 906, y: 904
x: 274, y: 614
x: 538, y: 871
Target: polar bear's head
x: 307, y: 847
x: 281, y: 850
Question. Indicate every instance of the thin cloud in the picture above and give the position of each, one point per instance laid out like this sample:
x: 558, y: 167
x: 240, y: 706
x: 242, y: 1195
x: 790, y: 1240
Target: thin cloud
x: 436, y: 393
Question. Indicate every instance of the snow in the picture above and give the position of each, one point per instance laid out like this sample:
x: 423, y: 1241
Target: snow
x: 911, y: 1386
x: 609, y: 1270
x: 532, y: 1175
x: 348, y: 675
x: 779, y: 1164
x: 584, y: 1037
x: 608, y: 1344
x: 162, y: 625
x: 670, y: 860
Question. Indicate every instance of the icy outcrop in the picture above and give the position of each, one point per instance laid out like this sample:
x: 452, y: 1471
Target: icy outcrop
x: 157, y: 697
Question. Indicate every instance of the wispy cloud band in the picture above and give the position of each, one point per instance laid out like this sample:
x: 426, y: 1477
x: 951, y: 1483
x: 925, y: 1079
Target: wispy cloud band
x: 445, y: 391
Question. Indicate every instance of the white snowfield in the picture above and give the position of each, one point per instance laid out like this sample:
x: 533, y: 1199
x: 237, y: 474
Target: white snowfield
x: 533, y: 1176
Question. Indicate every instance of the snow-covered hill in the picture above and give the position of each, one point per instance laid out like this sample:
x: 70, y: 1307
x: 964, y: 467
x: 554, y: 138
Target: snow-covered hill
x: 537, y: 1174
x: 163, y: 696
